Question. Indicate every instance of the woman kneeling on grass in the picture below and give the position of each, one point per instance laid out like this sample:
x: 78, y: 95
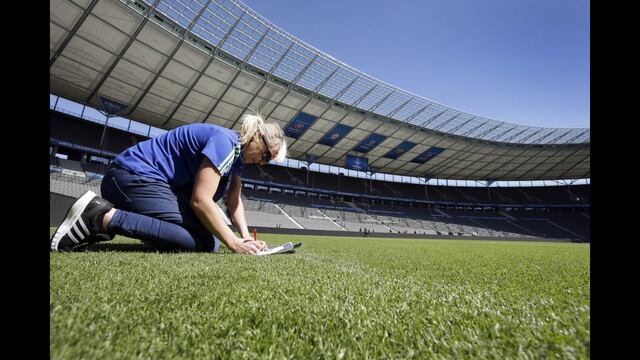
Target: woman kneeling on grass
x: 163, y: 190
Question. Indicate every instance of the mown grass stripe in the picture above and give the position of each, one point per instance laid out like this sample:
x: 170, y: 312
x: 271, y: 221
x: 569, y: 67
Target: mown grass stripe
x: 336, y: 297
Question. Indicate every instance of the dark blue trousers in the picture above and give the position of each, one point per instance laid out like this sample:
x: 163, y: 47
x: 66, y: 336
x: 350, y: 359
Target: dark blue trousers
x: 155, y: 212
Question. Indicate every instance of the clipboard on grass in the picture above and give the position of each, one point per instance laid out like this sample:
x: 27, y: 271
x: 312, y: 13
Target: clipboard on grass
x: 286, y: 248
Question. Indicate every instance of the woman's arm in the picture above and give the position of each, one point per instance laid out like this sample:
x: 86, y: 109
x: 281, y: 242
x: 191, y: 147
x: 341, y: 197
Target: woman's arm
x: 236, y: 209
x: 206, y: 184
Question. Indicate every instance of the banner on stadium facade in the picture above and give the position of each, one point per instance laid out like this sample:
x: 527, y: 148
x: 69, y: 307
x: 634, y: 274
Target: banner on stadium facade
x: 369, y: 143
x: 428, y: 154
x: 336, y: 134
x: 299, y: 124
x: 112, y: 107
x: 58, y: 142
x: 357, y: 163
x: 397, y: 151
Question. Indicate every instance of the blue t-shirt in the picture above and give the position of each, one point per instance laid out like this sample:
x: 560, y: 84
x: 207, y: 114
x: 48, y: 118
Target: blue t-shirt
x: 176, y: 156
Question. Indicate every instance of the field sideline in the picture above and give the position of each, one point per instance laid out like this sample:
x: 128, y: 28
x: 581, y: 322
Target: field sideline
x: 349, y: 298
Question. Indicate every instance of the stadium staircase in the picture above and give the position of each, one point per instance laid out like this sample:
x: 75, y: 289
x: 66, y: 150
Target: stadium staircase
x: 444, y: 214
x: 531, y: 198
x: 372, y: 219
x: 482, y: 230
x: 260, y: 212
x: 567, y: 230
x: 330, y: 219
x: 506, y: 215
x: 393, y: 191
x: 527, y: 231
x: 294, y: 179
x: 442, y: 194
x: 427, y: 229
x: 505, y: 199
x: 288, y: 216
x: 466, y: 196
x: 264, y: 174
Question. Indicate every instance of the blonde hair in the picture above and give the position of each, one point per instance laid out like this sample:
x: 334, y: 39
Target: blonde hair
x: 254, y: 123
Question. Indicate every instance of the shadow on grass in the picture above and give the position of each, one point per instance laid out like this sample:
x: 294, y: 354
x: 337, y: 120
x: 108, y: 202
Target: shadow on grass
x: 140, y: 247
x: 107, y: 247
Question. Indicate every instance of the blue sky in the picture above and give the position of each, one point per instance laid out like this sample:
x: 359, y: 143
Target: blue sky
x: 521, y: 61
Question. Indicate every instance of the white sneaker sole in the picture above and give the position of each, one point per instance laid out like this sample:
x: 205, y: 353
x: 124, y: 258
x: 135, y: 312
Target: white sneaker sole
x: 72, y: 216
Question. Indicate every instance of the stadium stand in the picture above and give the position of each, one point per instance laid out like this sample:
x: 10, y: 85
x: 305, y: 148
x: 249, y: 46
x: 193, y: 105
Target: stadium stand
x: 314, y: 98
x: 272, y: 209
x: 285, y: 199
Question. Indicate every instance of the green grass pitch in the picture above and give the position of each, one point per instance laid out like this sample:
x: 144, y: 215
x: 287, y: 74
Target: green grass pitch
x: 351, y: 298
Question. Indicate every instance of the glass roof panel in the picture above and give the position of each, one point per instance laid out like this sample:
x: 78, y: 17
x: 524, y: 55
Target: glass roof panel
x: 369, y: 93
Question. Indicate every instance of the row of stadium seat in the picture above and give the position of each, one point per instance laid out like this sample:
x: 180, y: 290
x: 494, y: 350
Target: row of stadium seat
x: 575, y: 194
x: 285, y: 211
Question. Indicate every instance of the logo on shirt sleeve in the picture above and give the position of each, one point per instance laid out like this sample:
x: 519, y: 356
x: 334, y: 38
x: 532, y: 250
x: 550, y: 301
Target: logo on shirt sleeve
x: 231, y: 158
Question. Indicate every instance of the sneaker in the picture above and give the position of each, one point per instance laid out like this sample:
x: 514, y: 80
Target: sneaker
x: 82, y: 224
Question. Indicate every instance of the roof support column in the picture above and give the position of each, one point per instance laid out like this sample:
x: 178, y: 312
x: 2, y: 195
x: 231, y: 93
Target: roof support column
x: 169, y: 58
x: 73, y: 31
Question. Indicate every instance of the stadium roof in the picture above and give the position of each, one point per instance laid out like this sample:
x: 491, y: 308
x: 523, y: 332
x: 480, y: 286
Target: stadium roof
x: 180, y: 62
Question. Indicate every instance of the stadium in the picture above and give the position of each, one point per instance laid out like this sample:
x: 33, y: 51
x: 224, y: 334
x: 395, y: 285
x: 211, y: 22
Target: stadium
x: 428, y: 231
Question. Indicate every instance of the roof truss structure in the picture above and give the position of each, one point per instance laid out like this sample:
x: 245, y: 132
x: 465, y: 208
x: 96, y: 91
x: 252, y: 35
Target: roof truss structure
x: 180, y: 62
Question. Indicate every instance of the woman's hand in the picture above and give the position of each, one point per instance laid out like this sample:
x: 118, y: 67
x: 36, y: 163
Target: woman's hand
x: 261, y: 244
x: 246, y: 247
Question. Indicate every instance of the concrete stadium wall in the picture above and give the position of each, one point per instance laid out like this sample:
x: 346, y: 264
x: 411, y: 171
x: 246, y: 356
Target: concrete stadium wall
x: 59, y: 204
x: 265, y: 230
